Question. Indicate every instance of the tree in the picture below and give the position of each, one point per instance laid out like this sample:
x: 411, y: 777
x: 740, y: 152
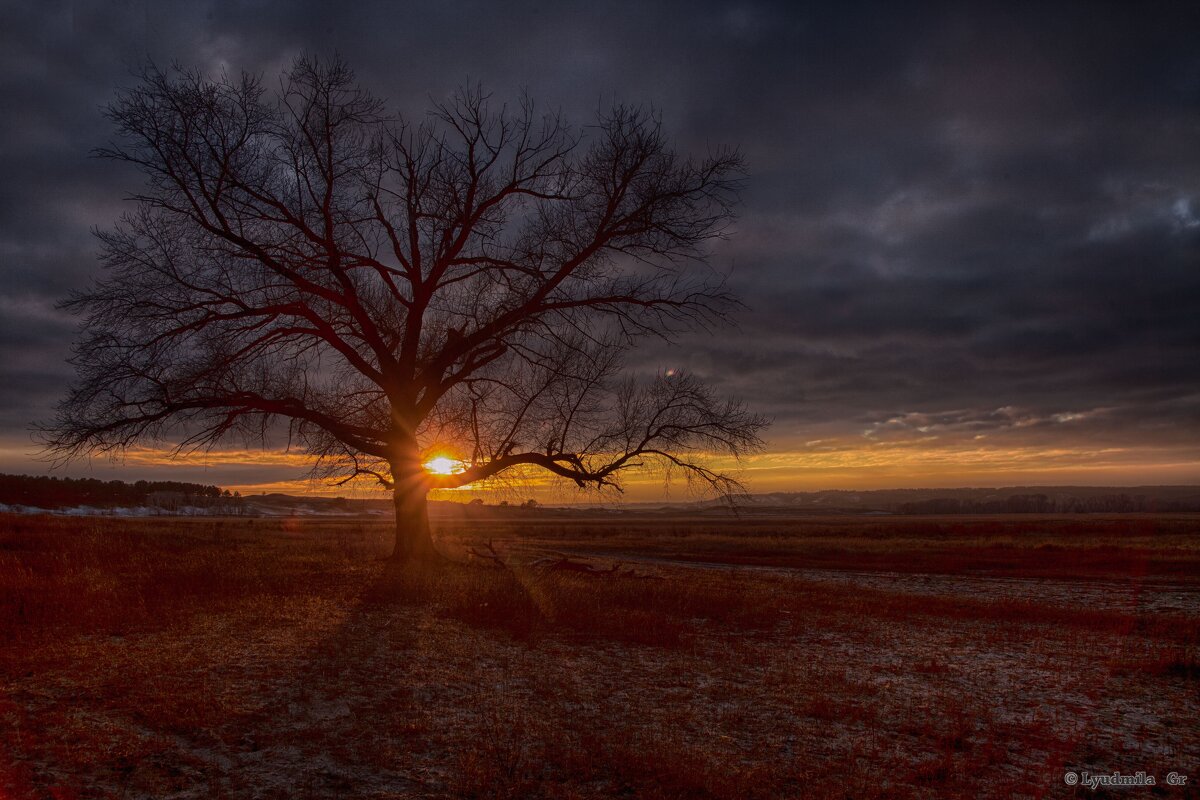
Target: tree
x: 385, y: 291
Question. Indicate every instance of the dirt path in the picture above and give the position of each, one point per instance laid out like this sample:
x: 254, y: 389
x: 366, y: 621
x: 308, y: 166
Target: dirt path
x: 1133, y: 594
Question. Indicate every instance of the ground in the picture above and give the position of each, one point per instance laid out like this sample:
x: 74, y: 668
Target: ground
x: 849, y: 657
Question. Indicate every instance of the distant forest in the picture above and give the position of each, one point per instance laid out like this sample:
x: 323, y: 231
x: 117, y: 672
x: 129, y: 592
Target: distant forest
x: 1044, y: 504
x: 1004, y: 500
x: 42, y: 491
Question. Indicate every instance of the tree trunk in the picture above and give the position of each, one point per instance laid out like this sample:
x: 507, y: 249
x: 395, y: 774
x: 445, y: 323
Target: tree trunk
x: 414, y: 540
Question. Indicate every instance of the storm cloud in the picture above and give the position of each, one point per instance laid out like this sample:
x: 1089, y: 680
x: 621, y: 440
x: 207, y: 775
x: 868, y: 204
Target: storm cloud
x: 961, y: 222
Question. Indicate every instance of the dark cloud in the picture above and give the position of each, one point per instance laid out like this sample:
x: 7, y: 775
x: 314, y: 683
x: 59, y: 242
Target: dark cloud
x: 952, y: 209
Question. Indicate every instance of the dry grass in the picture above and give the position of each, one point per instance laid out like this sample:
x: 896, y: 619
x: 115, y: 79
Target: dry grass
x: 210, y: 658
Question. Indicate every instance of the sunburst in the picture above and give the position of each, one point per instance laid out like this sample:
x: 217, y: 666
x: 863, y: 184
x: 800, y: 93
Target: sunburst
x: 443, y: 465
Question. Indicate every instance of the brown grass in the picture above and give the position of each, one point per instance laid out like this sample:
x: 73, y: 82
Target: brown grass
x: 281, y: 658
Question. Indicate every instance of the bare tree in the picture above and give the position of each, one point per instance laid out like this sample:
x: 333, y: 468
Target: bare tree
x: 384, y: 289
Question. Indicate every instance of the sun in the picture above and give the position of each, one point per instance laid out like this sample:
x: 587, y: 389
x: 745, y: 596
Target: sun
x: 443, y: 465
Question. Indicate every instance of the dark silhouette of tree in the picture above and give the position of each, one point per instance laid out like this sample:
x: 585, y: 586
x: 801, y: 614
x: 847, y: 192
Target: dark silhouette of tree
x: 383, y: 290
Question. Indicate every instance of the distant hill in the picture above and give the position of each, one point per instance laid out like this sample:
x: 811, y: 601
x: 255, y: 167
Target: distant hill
x: 1004, y: 500
x: 277, y: 504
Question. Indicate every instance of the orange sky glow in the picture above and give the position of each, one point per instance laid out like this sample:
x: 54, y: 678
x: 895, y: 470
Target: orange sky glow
x: 845, y: 463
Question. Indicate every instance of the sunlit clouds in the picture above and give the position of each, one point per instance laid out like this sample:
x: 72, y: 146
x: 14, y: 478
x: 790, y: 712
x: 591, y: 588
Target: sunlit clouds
x: 952, y: 450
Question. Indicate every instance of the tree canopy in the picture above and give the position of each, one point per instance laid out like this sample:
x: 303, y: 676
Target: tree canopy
x: 385, y: 289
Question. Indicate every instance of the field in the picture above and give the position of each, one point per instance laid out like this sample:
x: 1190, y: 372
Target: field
x: 837, y: 657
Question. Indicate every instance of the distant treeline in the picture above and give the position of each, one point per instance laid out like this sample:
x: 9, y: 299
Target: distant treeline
x: 1045, y: 504
x: 42, y: 491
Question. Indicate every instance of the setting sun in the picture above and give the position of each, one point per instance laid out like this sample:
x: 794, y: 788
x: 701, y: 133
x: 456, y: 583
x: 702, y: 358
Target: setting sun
x: 442, y: 465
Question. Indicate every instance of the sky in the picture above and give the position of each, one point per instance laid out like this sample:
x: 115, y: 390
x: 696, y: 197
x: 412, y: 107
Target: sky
x: 969, y: 243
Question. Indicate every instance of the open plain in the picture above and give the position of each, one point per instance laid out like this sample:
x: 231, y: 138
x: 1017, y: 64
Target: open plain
x: 703, y: 656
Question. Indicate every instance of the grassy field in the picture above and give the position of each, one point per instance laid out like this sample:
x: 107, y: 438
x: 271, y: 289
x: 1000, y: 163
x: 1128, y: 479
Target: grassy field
x: 839, y: 657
